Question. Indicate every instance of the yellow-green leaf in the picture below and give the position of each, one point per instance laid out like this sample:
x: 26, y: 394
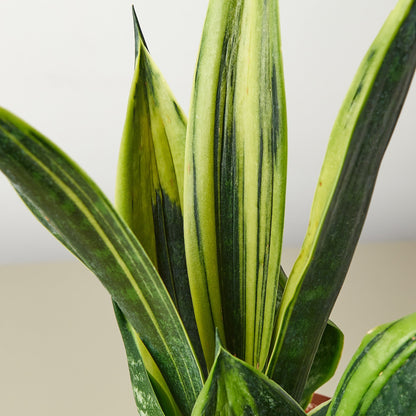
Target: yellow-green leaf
x: 150, y: 180
x: 235, y: 178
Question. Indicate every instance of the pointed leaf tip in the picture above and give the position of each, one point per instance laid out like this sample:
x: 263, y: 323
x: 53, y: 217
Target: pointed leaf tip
x: 138, y: 33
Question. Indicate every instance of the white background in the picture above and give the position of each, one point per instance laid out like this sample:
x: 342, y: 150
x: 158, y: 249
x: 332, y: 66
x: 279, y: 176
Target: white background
x: 66, y: 68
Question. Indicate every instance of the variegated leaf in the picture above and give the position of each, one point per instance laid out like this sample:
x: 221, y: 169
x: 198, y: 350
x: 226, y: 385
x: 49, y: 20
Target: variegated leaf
x: 381, y: 377
x: 150, y: 180
x: 72, y: 207
x: 235, y: 388
x: 359, y: 138
x: 151, y: 394
x: 235, y: 177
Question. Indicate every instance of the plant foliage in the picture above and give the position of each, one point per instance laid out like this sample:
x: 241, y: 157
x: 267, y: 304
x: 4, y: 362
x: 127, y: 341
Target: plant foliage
x: 191, y: 253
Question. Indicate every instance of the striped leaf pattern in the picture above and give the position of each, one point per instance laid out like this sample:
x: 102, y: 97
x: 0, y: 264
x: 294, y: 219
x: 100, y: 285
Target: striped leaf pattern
x: 71, y: 206
x: 149, y: 189
x: 358, y: 141
x: 235, y: 388
x: 327, y: 356
x: 381, y: 377
x: 150, y: 393
x: 235, y: 178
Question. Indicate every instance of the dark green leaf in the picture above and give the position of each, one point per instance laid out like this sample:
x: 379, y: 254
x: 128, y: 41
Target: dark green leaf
x: 381, y: 377
x: 71, y: 206
x: 358, y: 141
x: 146, y: 397
x: 321, y: 410
x: 328, y: 355
x: 326, y: 360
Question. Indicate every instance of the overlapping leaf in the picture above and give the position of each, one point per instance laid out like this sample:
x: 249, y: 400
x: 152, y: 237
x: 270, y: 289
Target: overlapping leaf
x: 321, y: 410
x: 358, y: 141
x: 234, y: 388
x: 327, y: 356
x: 150, y: 180
x: 71, y: 206
x: 325, y: 362
x: 381, y: 377
x: 145, y: 390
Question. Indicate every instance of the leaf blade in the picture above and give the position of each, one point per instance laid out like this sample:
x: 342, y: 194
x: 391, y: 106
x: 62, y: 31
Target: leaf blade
x: 235, y: 176
x: 359, y: 139
x: 71, y: 206
x: 235, y: 388
x: 386, y: 359
x: 144, y: 394
x: 149, y: 189
x: 325, y: 362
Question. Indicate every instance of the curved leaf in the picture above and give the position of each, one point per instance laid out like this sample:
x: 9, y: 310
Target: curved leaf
x: 235, y: 177
x: 71, y: 206
x: 381, y: 377
x: 357, y: 144
x: 235, y: 388
x: 321, y: 410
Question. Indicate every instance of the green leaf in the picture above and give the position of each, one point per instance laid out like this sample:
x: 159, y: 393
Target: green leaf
x: 325, y: 362
x: 71, y: 206
x: 327, y: 356
x: 235, y: 388
x: 357, y: 144
x: 235, y: 178
x: 381, y: 377
x: 320, y: 410
x: 149, y: 187
x: 146, y: 398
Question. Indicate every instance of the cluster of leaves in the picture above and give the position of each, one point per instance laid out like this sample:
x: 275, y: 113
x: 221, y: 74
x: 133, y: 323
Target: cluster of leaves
x: 191, y: 253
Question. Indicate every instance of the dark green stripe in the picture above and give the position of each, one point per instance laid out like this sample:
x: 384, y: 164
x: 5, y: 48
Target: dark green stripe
x: 227, y: 186
x: 345, y: 217
x: 22, y: 152
x: 396, y: 355
x: 353, y: 368
x: 172, y: 265
x: 138, y: 34
x: 198, y: 235
x: 398, y: 395
x: 144, y: 394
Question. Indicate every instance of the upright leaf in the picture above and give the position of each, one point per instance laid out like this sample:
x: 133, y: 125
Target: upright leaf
x: 71, y: 206
x: 150, y: 179
x: 357, y: 144
x: 235, y: 388
x: 325, y: 362
x: 327, y: 356
x: 381, y: 377
x: 235, y: 177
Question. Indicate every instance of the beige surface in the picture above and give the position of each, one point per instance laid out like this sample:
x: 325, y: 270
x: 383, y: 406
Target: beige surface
x: 61, y: 354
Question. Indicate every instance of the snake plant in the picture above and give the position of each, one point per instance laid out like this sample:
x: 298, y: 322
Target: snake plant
x: 191, y: 251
